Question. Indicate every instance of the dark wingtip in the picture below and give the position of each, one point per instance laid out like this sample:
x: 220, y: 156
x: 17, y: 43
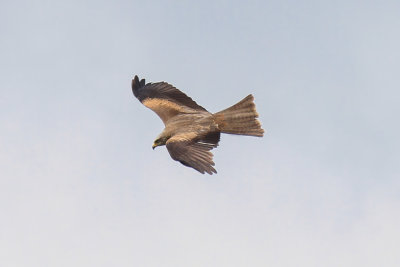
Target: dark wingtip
x: 136, y: 84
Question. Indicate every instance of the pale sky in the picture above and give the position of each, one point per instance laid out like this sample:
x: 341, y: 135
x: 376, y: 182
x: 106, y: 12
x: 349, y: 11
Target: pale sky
x: 81, y: 186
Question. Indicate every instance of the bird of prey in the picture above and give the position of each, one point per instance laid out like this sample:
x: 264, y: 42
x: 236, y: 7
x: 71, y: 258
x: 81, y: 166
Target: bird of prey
x: 190, y: 130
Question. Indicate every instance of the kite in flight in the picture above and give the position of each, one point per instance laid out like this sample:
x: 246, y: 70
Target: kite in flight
x: 190, y: 130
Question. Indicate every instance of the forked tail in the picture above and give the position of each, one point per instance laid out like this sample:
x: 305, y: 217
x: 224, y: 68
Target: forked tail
x: 240, y: 118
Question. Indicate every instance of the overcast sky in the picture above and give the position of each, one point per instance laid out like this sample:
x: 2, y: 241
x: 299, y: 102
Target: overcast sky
x: 81, y: 186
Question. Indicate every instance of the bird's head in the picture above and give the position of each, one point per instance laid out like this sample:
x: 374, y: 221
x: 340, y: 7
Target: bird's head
x: 160, y: 141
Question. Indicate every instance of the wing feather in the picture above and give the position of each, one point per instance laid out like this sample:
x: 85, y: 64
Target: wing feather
x: 163, y: 98
x: 194, y: 152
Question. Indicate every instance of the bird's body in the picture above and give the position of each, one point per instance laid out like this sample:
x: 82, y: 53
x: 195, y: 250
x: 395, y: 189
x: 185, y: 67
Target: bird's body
x: 190, y: 130
x: 199, y: 123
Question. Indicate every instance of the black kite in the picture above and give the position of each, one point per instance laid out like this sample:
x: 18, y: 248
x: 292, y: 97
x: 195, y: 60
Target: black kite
x: 190, y: 130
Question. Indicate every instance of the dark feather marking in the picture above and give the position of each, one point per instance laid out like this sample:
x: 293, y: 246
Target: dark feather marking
x: 211, y: 138
x: 162, y: 90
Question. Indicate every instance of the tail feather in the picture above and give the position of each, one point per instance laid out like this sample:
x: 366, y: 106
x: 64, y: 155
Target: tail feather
x: 240, y: 118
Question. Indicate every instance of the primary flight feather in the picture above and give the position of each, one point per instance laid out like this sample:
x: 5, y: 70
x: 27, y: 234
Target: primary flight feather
x: 190, y: 130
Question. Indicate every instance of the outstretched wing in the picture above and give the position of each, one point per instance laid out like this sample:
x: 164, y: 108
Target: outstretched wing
x: 163, y: 98
x: 194, y: 152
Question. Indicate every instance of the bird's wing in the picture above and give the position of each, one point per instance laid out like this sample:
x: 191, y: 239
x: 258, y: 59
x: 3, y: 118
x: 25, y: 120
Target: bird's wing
x: 163, y: 98
x: 194, y: 152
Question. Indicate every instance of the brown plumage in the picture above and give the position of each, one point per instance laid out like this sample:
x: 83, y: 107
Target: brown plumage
x: 190, y: 130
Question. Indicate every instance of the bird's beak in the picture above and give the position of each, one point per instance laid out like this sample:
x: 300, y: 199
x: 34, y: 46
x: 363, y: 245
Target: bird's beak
x: 153, y: 146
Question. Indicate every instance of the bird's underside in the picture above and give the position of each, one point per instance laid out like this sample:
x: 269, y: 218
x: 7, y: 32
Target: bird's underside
x: 190, y: 130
